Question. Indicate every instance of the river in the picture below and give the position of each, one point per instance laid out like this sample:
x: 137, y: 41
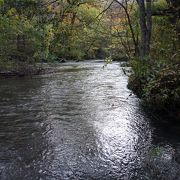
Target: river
x: 82, y: 123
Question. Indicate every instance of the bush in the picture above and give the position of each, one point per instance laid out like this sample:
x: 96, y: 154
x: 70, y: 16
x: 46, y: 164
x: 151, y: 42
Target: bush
x: 158, y: 83
x: 164, y: 90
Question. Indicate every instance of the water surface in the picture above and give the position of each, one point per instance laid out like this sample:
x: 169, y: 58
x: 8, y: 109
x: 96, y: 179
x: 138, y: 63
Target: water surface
x: 81, y: 123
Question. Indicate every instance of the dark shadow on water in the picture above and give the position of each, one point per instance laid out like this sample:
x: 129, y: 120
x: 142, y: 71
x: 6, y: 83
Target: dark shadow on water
x: 165, y: 129
x: 22, y: 140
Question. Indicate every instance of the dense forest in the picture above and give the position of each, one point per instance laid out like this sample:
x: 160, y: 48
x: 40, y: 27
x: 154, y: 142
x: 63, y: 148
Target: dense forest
x: 145, y: 33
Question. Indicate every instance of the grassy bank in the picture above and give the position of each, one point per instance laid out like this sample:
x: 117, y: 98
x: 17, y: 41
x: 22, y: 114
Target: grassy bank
x: 158, y: 84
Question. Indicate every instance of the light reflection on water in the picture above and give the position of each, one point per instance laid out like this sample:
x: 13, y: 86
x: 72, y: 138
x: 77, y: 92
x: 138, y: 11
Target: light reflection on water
x: 79, y: 123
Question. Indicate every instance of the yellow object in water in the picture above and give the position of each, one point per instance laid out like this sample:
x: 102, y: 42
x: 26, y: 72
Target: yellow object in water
x: 108, y: 60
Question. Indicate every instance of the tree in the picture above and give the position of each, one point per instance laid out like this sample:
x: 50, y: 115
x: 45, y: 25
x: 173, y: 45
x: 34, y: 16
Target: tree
x: 145, y: 16
x: 124, y: 4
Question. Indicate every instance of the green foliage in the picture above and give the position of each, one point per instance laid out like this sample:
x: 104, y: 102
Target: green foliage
x: 165, y: 40
x: 165, y: 88
x: 154, y: 152
x: 52, y: 58
x: 156, y: 78
x: 159, y: 5
x: 35, y: 30
x: 158, y: 83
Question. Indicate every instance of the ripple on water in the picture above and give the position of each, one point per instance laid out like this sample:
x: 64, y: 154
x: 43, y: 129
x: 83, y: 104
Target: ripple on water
x: 81, y: 123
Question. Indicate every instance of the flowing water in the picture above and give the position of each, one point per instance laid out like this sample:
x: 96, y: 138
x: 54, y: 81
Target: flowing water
x: 82, y: 123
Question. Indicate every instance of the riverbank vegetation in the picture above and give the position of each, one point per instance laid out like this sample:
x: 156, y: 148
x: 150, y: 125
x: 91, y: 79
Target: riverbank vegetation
x: 48, y: 31
x: 156, y: 67
x: 144, y: 32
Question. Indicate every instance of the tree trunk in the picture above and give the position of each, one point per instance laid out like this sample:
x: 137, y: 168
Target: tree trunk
x: 143, y: 28
x: 149, y: 25
x: 145, y: 16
